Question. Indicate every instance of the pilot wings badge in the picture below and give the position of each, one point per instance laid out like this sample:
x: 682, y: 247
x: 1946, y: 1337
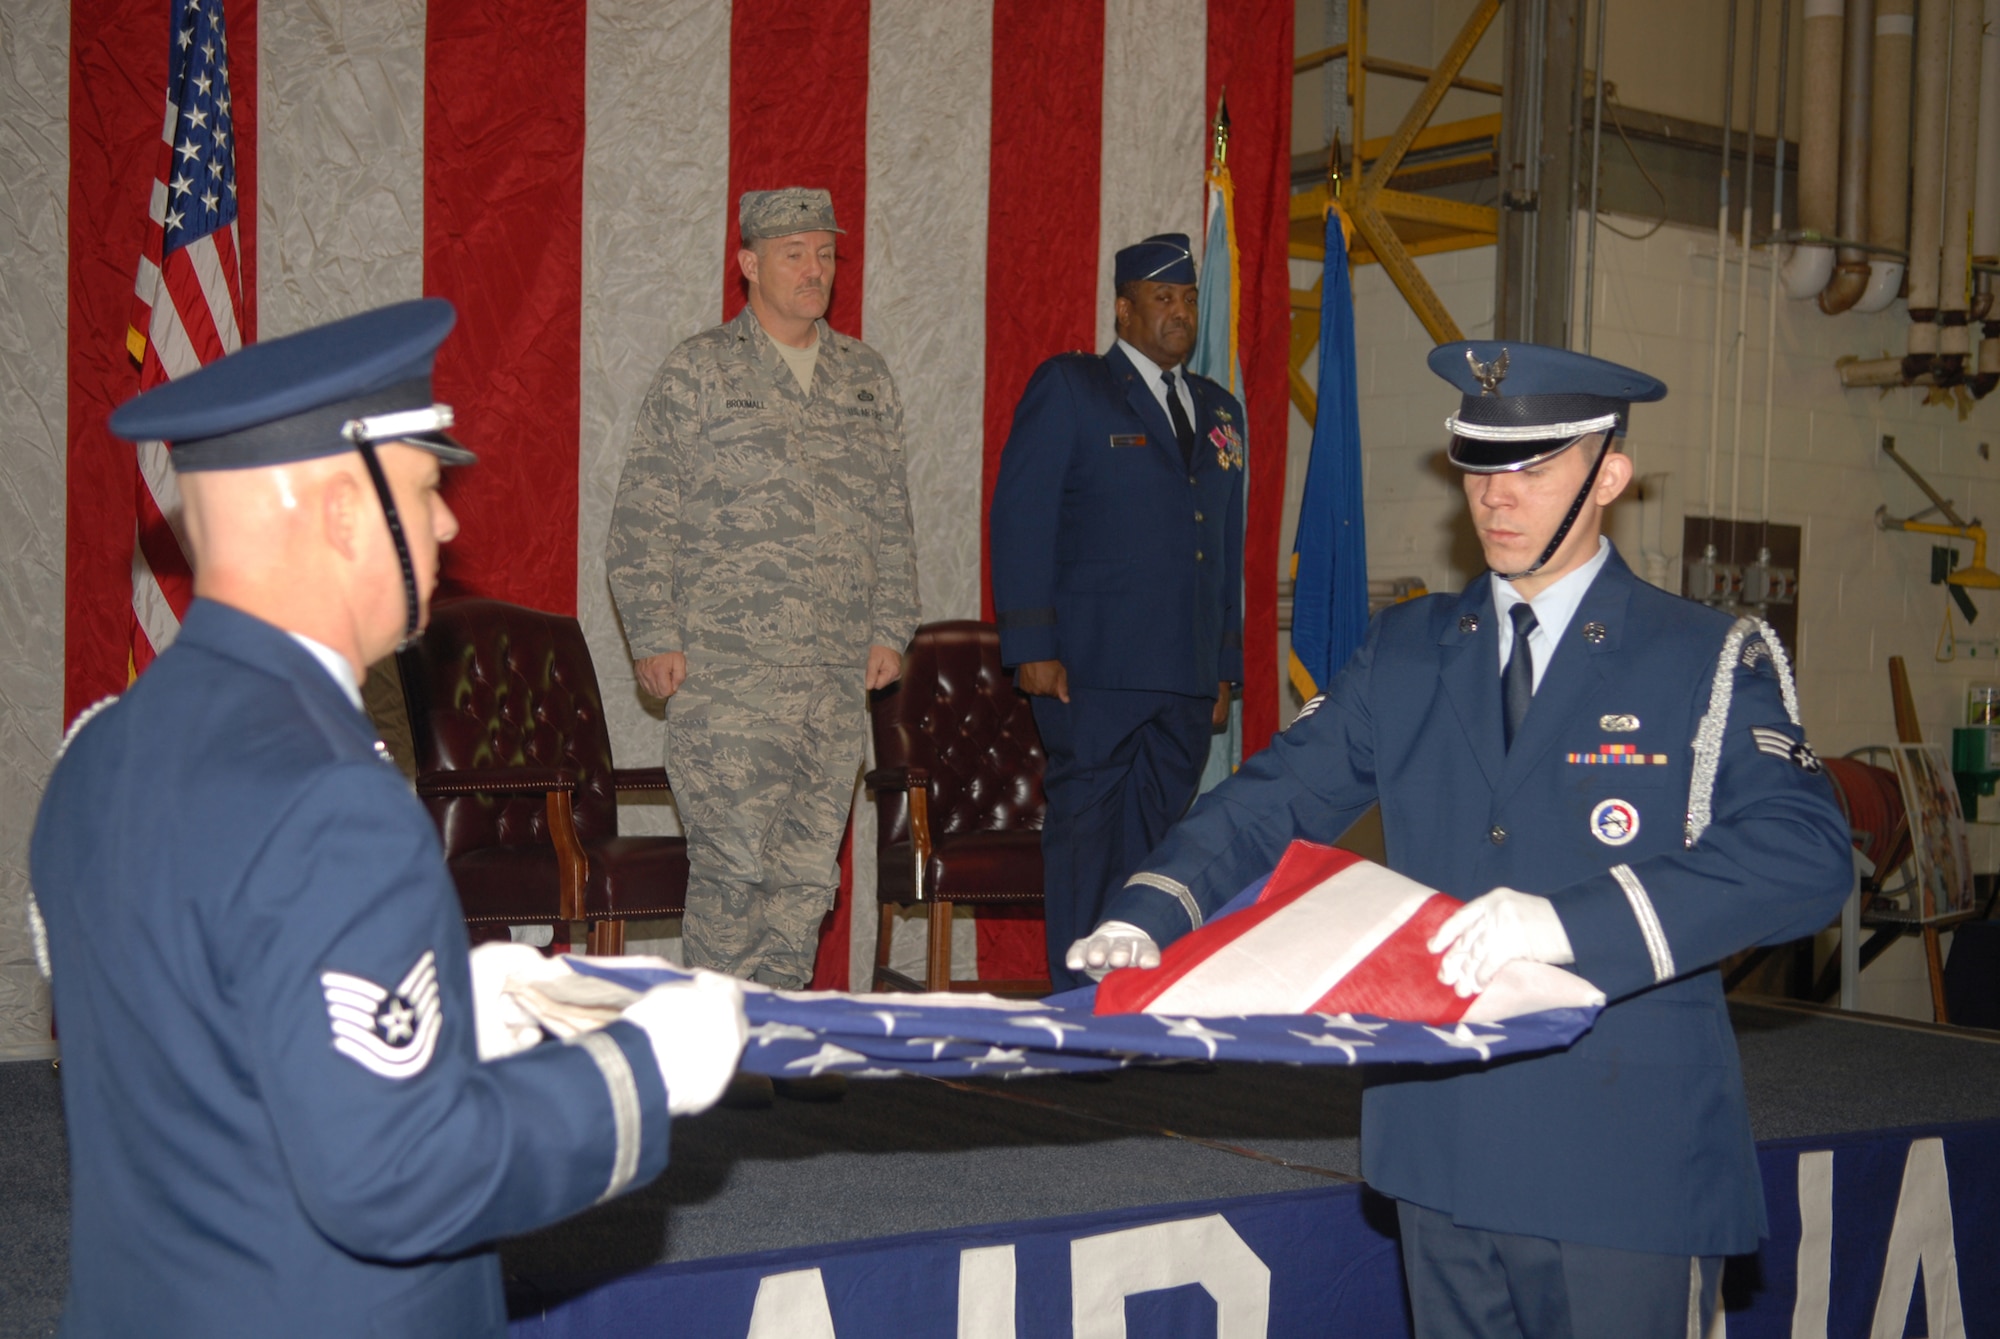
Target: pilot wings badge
x: 1489, y: 375
x: 391, y: 1033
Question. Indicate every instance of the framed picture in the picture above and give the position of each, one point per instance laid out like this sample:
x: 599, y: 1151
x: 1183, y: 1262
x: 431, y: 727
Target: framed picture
x: 1943, y: 860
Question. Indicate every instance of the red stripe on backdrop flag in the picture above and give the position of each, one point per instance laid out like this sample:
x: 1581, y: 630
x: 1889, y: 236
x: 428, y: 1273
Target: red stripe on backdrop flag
x: 1042, y: 206
x: 798, y: 116
x: 1250, y: 53
x: 1041, y: 272
x: 117, y: 87
x: 503, y: 239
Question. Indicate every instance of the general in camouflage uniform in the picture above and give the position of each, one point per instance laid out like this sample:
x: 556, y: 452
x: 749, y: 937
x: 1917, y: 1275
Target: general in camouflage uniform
x: 762, y: 561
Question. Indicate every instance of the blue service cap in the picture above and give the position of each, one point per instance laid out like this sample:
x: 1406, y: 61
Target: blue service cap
x: 1527, y: 402
x: 316, y: 393
x: 1163, y: 258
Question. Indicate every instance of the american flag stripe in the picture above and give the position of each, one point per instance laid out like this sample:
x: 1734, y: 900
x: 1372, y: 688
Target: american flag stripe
x: 188, y: 293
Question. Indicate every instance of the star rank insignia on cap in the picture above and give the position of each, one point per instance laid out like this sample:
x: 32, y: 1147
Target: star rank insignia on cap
x: 1781, y: 745
x: 391, y: 1033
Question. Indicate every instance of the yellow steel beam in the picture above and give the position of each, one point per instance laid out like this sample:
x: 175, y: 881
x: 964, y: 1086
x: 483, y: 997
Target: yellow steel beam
x: 1397, y: 262
x: 1312, y: 60
x: 1436, y: 209
x: 1433, y: 92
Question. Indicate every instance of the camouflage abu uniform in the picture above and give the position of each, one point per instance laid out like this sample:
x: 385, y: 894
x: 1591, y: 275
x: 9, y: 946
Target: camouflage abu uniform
x: 765, y: 533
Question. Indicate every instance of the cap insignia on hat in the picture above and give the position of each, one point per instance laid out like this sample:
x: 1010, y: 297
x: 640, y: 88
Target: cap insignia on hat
x: 1489, y: 375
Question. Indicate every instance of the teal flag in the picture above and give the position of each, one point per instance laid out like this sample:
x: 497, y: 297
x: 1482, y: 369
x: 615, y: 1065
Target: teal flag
x: 1214, y: 357
x: 1330, y: 555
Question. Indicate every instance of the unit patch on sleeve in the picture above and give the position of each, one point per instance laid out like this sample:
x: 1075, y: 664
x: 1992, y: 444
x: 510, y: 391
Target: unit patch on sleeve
x: 1781, y: 745
x: 391, y: 1033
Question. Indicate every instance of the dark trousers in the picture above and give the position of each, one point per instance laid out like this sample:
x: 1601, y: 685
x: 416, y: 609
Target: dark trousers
x: 1467, y: 1283
x: 1123, y: 765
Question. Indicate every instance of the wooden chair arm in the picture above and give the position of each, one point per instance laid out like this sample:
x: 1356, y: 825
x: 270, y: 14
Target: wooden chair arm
x: 558, y: 787
x: 493, y: 781
x: 897, y: 778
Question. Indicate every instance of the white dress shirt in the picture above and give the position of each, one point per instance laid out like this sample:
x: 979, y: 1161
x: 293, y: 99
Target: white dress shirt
x: 335, y: 665
x: 1554, y: 608
x: 1149, y: 372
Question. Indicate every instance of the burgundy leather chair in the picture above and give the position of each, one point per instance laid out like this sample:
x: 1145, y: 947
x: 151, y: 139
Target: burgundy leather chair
x: 514, y: 762
x: 958, y: 796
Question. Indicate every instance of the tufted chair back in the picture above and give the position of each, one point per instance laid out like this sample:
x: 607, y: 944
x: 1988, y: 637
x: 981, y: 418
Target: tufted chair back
x: 956, y: 715
x: 490, y: 685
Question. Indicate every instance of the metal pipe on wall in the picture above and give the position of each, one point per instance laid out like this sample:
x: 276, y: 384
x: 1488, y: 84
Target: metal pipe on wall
x: 1850, y: 274
x: 1962, y: 120
x: 1741, y: 346
x: 1933, y: 67
x: 1596, y: 159
x: 1986, y: 205
x: 1807, y: 268
x: 1721, y: 259
x: 1889, y: 151
x: 1777, y: 226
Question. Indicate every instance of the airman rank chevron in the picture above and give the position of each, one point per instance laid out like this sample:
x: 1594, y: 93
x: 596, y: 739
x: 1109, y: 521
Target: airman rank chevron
x: 1781, y: 745
x: 1615, y: 755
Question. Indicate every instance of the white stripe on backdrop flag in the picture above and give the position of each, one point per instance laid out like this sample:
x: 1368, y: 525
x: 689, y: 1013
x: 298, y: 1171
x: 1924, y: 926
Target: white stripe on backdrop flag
x: 566, y: 173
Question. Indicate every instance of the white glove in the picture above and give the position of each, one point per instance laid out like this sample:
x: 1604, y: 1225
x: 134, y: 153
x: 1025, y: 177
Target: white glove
x: 1489, y: 932
x: 503, y: 1027
x: 697, y: 1029
x: 1112, y: 944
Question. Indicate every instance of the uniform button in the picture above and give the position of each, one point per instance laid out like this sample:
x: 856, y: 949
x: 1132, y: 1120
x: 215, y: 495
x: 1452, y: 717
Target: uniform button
x: 1497, y: 835
x: 1197, y: 555
x: 1198, y: 516
x: 1190, y: 478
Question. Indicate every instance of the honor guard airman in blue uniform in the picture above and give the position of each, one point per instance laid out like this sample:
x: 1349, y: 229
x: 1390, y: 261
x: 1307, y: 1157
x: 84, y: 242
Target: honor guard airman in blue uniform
x: 1617, y: 780
x: 279, y: 1119
x: 1117, y: 559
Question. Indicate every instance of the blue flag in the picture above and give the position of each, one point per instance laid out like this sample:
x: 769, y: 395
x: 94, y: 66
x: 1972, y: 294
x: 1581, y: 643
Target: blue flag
x: 1330, y: 555
x: 1214, y: 356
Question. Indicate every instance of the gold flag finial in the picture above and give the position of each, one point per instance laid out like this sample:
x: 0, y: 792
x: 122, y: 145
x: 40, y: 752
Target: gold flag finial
x: 1218, y: 130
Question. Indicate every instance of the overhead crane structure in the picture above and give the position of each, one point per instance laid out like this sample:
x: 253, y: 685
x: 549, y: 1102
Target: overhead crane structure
x: 1382, y: 191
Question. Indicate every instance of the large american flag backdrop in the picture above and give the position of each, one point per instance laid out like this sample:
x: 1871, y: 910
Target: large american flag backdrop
x: 566, y: 173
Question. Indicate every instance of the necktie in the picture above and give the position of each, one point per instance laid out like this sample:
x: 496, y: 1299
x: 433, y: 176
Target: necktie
x: 1183, y: 430
x: 1517, y: 685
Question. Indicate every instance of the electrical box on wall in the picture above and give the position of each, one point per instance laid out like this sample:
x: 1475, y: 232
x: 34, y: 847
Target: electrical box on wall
x: 1745, y: 567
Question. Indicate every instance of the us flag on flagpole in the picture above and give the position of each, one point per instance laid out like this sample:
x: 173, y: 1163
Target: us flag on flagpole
x: 187, y: 298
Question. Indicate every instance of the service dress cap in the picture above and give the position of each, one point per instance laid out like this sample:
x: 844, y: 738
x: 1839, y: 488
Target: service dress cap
x: 1527, y: 402
x: 320, y: 392
x: 1164, y: 258
x: 780, y: 213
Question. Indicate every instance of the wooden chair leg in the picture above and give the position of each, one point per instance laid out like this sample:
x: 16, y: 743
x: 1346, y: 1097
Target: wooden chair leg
x: 607, y: 939
x: 937, y: 960
x: 1936, y: 958
x: 885, y: 938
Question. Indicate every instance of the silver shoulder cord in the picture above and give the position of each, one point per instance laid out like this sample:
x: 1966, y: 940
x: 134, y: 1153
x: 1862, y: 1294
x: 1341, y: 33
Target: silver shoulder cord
x: 1715, y: 721
x: 38, y: 929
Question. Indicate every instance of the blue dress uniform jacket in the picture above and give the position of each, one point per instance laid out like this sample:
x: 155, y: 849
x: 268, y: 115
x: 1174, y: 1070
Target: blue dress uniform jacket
x: 1637, y: 1136
x: 222, y: 858
x: 1108, y: 554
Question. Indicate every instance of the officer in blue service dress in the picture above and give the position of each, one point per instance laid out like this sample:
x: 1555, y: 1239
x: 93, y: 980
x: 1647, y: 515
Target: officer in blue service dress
x: 1117, y: 559
x: 1617, y: 780
x: 279, y: 1119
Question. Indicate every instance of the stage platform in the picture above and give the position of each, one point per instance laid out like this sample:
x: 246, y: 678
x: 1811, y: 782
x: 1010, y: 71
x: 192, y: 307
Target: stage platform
x: 1003, y: 1186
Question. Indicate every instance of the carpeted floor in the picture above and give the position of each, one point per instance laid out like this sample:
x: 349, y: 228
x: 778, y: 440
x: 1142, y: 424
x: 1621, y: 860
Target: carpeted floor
x: 911, y: 1155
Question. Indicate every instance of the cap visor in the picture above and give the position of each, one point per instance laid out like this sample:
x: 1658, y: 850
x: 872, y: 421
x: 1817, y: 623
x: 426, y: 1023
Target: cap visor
x: 1475, y: 456
x: 441, y: 445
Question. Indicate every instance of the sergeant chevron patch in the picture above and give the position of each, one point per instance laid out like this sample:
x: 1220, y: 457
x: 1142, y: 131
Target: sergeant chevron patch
x: 1781, y: 745
x: 390, y: 1033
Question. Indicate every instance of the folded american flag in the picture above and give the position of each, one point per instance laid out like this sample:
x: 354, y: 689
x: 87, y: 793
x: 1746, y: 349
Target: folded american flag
x: 1302, y: 967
